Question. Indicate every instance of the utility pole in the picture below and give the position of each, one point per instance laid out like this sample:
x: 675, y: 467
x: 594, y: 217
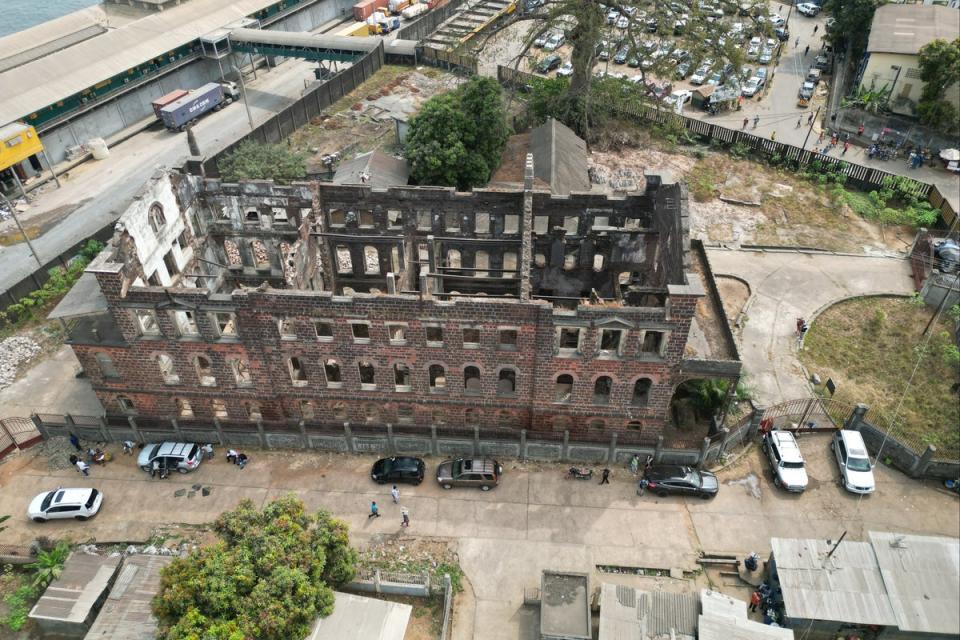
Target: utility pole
x: 243, y: 95
x: 33, y: 251
x: 809, y: 130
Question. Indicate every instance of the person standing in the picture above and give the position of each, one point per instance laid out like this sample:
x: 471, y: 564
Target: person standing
x: 405, y: 515
x: 128, y: 447
x: 807, y: 50
x: 746, y: 121
x: 606, y: 477
x: 799, y: 122
x: 754, y: 600
x: 846, y: 145
x: 815, y: 27
x: 395, y: 494
x: 83, y: 467
x: 208, y: 451
x: 773, y: 136
x: 796, y: 43
x: 756, y: 121
x: 810, y: 119
x: 860, y: 129
x: 232, y: 456
x: 374, y: 511
x: 635, y: 464
x: 242, y: 459
x: 75, y: 441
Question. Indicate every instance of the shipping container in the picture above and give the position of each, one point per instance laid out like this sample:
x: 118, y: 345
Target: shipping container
x: 396, y: 6
x: 363, y: 10
x: 163, y: 101
x: 190, y: 107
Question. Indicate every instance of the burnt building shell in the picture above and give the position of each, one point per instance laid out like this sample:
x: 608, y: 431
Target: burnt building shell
x: 336, y: 304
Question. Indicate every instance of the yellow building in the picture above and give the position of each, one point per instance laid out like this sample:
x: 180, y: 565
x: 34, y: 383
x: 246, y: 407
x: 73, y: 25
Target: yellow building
x: 898, y: 33
x: 18, y: 142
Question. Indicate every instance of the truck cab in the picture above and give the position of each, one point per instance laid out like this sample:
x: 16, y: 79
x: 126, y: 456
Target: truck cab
x: 231, y: 90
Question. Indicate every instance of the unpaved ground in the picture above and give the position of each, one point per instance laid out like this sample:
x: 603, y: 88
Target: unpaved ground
x: 782, y: 209
x: 734, y: 294
x: 363, y: 120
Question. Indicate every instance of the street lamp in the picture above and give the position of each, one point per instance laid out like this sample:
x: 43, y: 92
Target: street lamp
x: 243, y: 96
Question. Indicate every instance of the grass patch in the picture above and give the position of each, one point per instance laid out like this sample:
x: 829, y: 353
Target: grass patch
x: 870, y: 346
x: 705, y: 179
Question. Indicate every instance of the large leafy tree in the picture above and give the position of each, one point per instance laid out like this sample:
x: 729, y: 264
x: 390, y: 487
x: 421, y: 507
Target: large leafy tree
x: 255, y: 161
x: 649, y: 27
x: 269, y: 576
x: 457, y: 137
x: 852, y: 22
x: 940, y: 72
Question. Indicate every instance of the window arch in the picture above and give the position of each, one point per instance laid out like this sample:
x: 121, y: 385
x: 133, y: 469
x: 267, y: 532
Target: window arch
x: 471, y: 380
x: 438, y: 417
x: 561, y: 423
x: 156, y: 218
x: 344, y: 260
x: 438, y: 377
x: 253, y: 410
x: 167, y: 370
x: 184, y: 408
x: 601, y: 390
x: 641, y: 392
x: 261, y: 257
x: 219, y: 408
x: 331, y: 369
x: 232, y: 251
x: 340, y: 411
x: 453, y: 259
x: 107, y: 368
x: 506, y: 382
x: 371, y: 413
x: 596, y: 425
x: 635, y: 425
x: 563, y: 389
x: 308, y: 409
x: 205, y: 371
x: 368, y: 379
x: 298, y: 374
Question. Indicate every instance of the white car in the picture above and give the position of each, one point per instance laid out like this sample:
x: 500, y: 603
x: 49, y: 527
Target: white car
x: 765, y: 56
x: 808, y: 9
x: 565, y: 70
x: 786, y: 461
x: 753, y: 85
x: 541, y: 39
x: 60, y: 503
x: 554, y: 42
x: 856, y: 472
x: 677, y: 99
x: 700, y: 75
x: 777, y: 20
x: 182, y: 456
x: 623, y: 22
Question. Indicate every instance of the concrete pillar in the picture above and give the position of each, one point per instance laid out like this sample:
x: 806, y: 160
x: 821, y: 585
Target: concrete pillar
x: 219, y: 428
x: 104, y: 430
x: 923, y: 463
x: 526, y: 229
x: 348, y: 435
x: 523, y: 444
x: 565, y: 452
x: 303, y: 435
x: 391, y: 283
x: 263, y: 438
x: 612, y: 454
x: 658, y: 451
x: 755, y: 420
x: 136, y: 430
x: 856, y: 417
x: 176, y: 429
x: 704, y: 449
x: 724, y: 435
x: 434, y: 447
x: 476, y: 441
x: 38, y: 423
x: 391, y: 447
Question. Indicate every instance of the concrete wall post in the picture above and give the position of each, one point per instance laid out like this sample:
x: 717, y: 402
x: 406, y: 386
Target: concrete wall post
x: 38, y: 423
x: 263, y: 438
x: 476, y: 441
x: 104, y: 431
x: 434, y: 447
x: 523, y: 444
x: 391, y: 447
x: 612, y: 452
x: 704, y: 450
x: 136, y: 430
x: 755, y: 420
x: 724, y: 436
x: 565, y: 452
x: 923, y: 463
x: 856, y: 417
x: 348, y: 435
x: 303, y: 435
x: 219, y: 428
x: 658, y: 452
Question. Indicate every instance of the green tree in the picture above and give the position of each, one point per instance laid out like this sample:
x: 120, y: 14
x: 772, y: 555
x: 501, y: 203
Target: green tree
x: 852, y: 22
x: 49, y: 564
x: 458, y: 137
x: 255, y: 161
x: 940, y: 72
x: 269, y: 576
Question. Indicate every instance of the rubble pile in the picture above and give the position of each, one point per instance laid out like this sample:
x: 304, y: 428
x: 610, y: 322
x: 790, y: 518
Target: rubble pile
x: 14, y: 351
x: 57, y: 451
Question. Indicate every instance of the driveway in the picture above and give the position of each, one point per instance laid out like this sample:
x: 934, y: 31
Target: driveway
x: 535, y: 520
x: 786, y: 285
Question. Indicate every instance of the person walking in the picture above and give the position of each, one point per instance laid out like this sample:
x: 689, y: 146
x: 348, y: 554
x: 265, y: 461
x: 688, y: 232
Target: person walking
x: 374, y: 511
x: 820, y: 137
x: 796, y: 43
x: 860, y: 129
x: 746, y: 121
x: 773, y: 136
x: 395, y: 494
x: 846, y: 145
x: 799, y: 122
x: 75, y: 441
x: 83, y: 467
x: 606, y: 477
x: 405, y: 517
x: 815, y: 27
x: 754, y: 601
x: 756, y: 121
x: 635, y: 464
x: 807, y: 50
x: 810, y: 119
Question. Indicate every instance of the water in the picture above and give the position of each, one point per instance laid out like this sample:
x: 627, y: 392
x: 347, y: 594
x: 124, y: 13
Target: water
x: 17, y: 15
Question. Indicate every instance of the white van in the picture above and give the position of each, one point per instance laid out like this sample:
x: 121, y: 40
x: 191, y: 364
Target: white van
x: 856, y: 472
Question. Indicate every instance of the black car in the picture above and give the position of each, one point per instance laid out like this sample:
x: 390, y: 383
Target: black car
x: 404, y: 469
x: 667, y: 478
x: 549, y: 63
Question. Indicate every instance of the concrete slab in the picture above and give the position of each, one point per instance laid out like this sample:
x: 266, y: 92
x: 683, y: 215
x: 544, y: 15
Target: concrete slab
x: 51, y: 386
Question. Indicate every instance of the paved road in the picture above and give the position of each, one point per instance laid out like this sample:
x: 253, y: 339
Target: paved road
x: 787, y: 285
x: 535, y: 520
x: 101, y: 190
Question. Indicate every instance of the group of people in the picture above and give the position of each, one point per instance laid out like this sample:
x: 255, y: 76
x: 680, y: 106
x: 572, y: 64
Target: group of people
x: 404, y: 512
x: 235, y: 457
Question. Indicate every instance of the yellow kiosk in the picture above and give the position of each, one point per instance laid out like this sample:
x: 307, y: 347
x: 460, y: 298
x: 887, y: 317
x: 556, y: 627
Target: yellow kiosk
x: 19, y: 141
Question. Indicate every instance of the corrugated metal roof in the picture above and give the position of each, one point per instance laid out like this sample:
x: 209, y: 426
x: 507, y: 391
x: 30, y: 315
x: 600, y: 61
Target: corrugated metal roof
x: 846, y: 588
x: 126, y: 613
x: 361, y: 618
x: 71, y: 597
x: 905, y: 28
x: 293, y: 39
x: 38, y: 84
x: 381, y: 170
x: 922, y: 578
x: 728, y: 628
x: 632, y: 614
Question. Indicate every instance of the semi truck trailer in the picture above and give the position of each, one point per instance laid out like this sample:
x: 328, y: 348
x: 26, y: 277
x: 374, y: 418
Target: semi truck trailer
x: 210, y: 97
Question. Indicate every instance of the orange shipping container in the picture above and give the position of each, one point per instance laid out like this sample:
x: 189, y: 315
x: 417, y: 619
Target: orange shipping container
x: 363, y: 10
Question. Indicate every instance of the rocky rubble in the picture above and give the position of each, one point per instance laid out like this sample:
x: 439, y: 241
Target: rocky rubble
x: 57, y: 452
x: 15, y: 351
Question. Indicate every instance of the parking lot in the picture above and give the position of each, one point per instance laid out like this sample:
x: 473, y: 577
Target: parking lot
x: 534, y: 520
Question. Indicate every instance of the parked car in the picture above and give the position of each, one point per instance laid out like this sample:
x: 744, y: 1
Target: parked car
x: 542, y: 39
x: 777, y: 20
x: 822, y: 63
x: 469, y: 472
x: 622, y: 22
x: 700, y: 75
x: 603, y: 50
x: 808, y: 9
x: 806, y: 90
x: 782, y: 33
x: 683, y: 69
x: 612, y: 16
x: 765, y: 56
x: 856, y: 472
x: 752, y: 86
x: 622, y: 54
x: 785, y: 458
x: 665, y: 479
x: 554, y: 42
x: 400, y: 469
x: 61, y: 503
x: 762, y: 73
x: 566, y: 70
x: 715, y: 78
x: 549, y: 63
x: 679, y: 97
x: 182, y: 456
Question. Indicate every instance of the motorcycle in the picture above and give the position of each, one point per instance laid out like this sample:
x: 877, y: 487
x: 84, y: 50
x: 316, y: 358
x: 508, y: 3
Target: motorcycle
x: 579, y: 473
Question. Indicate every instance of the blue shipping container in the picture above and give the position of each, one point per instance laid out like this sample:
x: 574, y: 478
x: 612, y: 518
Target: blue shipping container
x: 192, y: 106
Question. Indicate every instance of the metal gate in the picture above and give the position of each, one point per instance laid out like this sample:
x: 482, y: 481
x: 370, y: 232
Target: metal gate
x: 808, y: 413
x: 17, y: 433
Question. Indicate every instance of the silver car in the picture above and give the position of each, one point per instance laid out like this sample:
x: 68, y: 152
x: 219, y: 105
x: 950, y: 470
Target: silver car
x: 469, y: 472
x: 182, y: 456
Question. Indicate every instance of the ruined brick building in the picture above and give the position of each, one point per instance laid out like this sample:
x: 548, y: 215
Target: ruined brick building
x: 416, y: 306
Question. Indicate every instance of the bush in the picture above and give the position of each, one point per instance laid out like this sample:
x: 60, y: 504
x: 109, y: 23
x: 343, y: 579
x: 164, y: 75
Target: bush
x: 255, y: 161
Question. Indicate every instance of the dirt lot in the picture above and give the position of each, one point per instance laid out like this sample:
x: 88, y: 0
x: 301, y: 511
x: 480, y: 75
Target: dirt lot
x: 363, y: 120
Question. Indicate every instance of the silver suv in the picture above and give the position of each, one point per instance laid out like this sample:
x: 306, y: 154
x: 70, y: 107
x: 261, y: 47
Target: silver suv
x: 469, y: 472
x: 182, y: 456
x: 786, y: 461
